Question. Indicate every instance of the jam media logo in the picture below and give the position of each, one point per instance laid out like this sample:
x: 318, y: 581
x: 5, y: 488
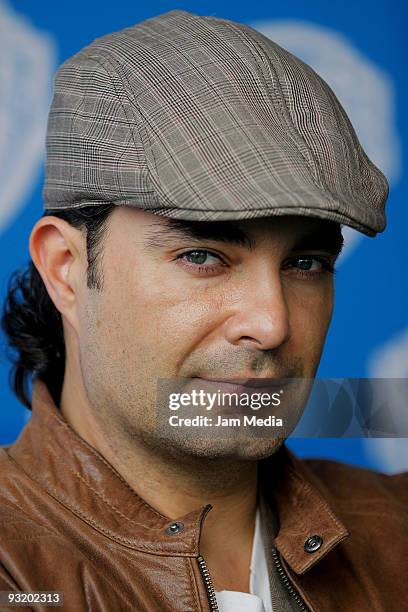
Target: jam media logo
x: 27, y: 62
x: 365, y: 91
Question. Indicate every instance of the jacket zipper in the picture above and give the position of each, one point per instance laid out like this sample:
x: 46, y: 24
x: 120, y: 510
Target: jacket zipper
x: 283, y: 575
x: 286, y: 581
x: 208, y: 584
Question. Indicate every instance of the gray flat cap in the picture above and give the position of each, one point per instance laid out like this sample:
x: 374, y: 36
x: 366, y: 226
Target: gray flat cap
x: 204, y: 119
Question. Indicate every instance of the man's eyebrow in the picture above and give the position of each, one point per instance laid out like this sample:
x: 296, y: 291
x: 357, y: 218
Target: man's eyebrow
x: 326, y: 238
x: 162, y: 235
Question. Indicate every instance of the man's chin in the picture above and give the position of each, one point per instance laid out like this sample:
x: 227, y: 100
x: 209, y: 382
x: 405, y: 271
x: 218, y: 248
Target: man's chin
x: 248, y: 449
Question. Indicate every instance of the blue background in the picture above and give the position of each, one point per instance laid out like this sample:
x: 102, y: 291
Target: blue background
x: 371, y: 285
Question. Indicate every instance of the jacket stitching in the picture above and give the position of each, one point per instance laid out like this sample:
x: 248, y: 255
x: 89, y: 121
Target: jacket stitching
x: 321, y: 502
x: 62, y: 499
x: 62, y: 424
x: 194, y: 583
x: 321, y: 505
x: 99, y: 494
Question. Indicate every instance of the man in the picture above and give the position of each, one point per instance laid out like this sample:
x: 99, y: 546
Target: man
x: 197, y: 176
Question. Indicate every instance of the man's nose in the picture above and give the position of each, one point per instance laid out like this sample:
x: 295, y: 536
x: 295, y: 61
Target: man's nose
x: 261, y: 316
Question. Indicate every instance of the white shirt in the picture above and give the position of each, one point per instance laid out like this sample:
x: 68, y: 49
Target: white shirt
x: 259, y: 597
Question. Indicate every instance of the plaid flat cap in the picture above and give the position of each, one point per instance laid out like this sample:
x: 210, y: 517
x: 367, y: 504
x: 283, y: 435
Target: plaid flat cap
x: 202, y: 118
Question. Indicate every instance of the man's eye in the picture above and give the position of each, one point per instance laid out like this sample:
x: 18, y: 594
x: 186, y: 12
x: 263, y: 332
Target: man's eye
x: 202, y: 262
x: 311, y: 264
x: 200, y: 257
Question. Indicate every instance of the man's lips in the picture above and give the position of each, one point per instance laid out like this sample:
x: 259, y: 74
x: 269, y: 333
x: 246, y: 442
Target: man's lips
x: 248, y: 383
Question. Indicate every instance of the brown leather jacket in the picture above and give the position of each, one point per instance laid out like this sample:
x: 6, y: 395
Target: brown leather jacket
x: 70, y: 523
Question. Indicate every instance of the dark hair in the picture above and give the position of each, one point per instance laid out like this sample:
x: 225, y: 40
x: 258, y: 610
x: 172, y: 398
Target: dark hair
x: 31, y: 322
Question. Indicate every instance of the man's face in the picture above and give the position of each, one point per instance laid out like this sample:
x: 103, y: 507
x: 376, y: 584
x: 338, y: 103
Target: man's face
x: 230, y: 300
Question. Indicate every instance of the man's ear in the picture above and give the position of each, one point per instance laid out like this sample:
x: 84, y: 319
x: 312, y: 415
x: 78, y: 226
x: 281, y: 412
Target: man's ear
x: 58, y: 251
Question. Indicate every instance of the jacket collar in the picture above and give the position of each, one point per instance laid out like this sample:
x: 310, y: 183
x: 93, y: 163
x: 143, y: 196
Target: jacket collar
x: 299, y: 501
x: 79, y: 478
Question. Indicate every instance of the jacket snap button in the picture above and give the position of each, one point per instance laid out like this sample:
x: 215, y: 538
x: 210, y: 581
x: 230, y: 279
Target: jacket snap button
x: 313, y: 543
x: 174, y: 528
